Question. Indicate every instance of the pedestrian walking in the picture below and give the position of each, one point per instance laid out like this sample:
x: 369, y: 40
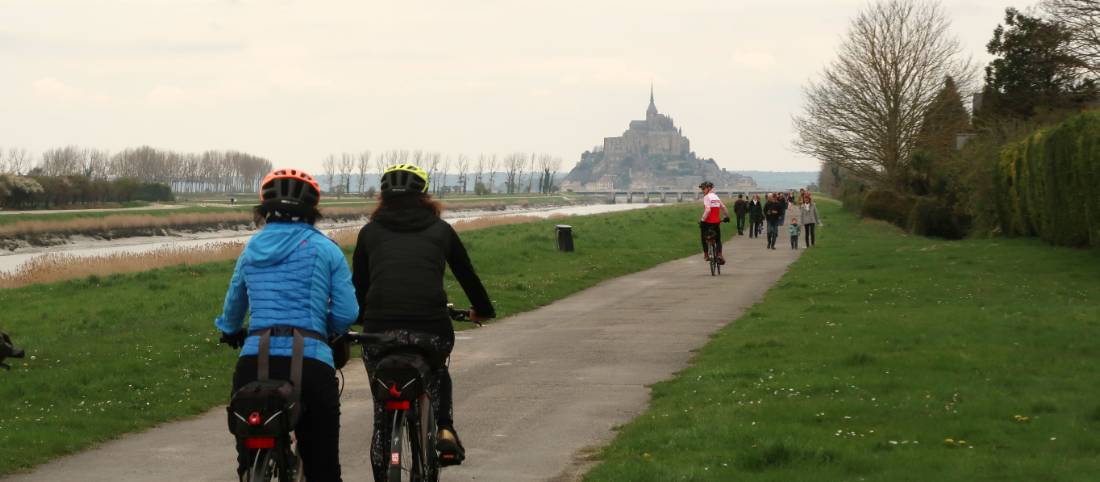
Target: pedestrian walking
x: 793, y: 231
x: 808, y: 212
x: 773, y: 211
x: 782, y: 200
x: 756, y: 216
x: 740, y: 209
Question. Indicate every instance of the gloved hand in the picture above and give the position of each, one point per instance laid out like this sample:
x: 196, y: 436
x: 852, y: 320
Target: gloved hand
x: 726, y: 219
x: 234, y: 340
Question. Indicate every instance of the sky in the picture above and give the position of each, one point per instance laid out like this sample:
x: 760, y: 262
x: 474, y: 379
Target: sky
x: 295, y: 81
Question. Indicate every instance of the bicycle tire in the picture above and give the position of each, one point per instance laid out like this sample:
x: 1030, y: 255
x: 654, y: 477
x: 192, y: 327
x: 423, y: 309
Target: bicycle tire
x: 427, y: 429
x: 398, y: 439
x: 713, y: 257
x: 263, y: 468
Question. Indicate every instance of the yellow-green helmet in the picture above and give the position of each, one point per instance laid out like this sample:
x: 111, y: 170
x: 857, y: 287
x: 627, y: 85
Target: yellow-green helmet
x: 404, y: 178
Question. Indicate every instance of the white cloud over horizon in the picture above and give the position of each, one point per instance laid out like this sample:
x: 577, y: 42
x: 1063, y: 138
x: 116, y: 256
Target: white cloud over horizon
x: 295, y: 81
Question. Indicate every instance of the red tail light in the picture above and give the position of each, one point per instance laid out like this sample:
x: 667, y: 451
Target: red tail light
x: 259, y: 442
x: 254, y: 419
x: 394, y: 391
x: 397, y: 405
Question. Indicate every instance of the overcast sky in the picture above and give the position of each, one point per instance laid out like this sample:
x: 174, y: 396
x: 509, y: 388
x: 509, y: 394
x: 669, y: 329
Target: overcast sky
x: 296, y: 80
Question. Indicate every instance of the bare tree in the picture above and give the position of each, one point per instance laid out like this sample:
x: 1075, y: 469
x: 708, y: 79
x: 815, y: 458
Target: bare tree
x: 1082, y: 19
x: 364, y: 166
x: 492, y: 166
x: 548, y: 167
x: 329, y: 166
x: 865, y: 113
x: 431, y: 161
x: 441, y: 183
x: 513, y: 164
x: 463, y: 166
x: 347, y: 164
x: 19, y: 160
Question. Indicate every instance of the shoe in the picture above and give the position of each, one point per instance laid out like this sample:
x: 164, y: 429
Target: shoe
x: 706, y: 257
x: 450, y: 447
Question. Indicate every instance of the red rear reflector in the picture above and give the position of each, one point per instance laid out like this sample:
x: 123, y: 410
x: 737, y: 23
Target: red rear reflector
x: 395, y: 458
x: 397, y: 405
x: 394, y: 391
x: 259, y: 442
x: 254, y: 419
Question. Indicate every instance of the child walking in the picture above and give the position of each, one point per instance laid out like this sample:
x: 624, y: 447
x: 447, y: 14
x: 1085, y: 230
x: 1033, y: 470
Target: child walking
x: 793, y: 230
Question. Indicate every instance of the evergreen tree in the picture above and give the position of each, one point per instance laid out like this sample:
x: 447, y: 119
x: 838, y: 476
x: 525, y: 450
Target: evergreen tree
x: 1035, y: 69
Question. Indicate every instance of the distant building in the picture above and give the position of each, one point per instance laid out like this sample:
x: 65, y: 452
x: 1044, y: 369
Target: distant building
x: 651, y: 154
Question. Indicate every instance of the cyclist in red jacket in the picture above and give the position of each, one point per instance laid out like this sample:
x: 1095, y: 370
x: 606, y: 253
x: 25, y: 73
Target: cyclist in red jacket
x: 714, y: 213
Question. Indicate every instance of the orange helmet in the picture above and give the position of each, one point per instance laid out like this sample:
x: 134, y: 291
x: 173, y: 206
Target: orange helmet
x: 291, y: 187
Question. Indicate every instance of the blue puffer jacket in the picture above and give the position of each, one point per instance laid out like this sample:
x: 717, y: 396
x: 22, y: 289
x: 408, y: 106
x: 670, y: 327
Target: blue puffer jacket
x: 290, y: 274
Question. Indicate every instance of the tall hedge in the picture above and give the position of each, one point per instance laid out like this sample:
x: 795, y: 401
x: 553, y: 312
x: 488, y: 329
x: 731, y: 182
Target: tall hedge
x: 1047, y: 184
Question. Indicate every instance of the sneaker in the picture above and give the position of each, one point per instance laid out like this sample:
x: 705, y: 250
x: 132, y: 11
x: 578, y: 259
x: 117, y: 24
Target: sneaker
x: 450, y: 447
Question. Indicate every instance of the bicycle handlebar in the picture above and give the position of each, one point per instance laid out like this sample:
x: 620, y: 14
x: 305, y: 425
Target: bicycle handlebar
x: 368, y: 338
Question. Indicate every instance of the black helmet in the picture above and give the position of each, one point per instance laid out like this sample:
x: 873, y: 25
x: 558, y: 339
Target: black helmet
x: 706, y: 184
x: 404, y: 178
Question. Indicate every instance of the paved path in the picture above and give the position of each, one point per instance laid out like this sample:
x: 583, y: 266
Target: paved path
x: 533, y: 393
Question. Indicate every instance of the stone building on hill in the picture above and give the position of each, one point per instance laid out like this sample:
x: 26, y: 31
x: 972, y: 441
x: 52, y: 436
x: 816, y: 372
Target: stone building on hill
x: 651, y: 154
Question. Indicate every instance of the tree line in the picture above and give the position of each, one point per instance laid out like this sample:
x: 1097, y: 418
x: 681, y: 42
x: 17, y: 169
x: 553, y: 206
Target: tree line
x: 912, y: 131
x: 519, y: 172
x: 73, y: 175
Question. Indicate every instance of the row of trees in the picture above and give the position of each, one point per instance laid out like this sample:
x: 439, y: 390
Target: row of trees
x: 891, y: 122
x: 520, y: 172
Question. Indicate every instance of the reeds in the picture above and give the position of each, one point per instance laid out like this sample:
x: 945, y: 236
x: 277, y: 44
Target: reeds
x: 58, y: 267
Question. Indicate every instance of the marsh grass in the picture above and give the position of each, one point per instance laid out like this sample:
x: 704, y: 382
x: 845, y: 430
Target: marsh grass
x: 110, y: 354
x: 886, y: 357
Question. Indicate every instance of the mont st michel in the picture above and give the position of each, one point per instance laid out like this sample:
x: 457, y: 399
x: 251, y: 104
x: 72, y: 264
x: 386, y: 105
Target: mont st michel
x: 651, y: 154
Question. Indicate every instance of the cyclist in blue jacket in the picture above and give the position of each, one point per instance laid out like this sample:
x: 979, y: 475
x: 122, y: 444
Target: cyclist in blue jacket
x: 292, y: 275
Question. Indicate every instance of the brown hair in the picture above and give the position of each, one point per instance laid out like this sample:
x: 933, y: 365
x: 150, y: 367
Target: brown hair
x: 404, y: 201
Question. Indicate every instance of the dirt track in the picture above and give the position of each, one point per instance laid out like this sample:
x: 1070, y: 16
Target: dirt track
x: 533, y: 394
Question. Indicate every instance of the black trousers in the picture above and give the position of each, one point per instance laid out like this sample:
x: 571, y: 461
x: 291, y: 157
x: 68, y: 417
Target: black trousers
x: 740, y: 224
x: 810, y: 234
x: 755, y: 228
x: 437, y: 348
x: 773, y: 232
x: 794, y: 242
x: 318, y: 430
x: 717, y: 227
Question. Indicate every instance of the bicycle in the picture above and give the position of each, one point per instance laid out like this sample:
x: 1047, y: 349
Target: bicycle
x: 712, y: 252
x: 8, y: 350
x: 401, y: 382
x: 272, y: 408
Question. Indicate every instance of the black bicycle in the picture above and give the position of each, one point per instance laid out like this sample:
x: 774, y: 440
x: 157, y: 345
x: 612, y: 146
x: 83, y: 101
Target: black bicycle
x: 263, y: 414
x: 8, y: 350
x: 711, y: 238
x: 401, y: 382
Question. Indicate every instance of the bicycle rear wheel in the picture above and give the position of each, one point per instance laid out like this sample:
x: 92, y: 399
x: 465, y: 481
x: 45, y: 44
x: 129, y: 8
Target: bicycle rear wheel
x: 263, y: 468
x: 713, y: 258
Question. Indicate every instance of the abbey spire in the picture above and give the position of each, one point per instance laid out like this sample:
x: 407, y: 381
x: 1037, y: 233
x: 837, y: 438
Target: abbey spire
x: 652, y: 110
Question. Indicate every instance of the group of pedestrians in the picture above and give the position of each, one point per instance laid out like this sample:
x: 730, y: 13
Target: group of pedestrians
x: 774, y: 212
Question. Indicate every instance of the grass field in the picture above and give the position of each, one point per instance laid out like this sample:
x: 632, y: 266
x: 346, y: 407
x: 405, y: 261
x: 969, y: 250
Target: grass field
x: 115, y: 354
x: 881, y: 356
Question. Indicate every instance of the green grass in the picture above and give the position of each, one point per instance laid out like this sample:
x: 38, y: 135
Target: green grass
x: 121, y: 353
x: 872, y: 351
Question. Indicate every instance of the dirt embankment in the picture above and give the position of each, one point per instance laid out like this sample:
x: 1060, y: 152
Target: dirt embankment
x: 45, y: 233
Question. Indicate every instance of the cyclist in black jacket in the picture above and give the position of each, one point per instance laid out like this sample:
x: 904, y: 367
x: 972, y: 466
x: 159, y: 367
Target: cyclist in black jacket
x: 397, y: 270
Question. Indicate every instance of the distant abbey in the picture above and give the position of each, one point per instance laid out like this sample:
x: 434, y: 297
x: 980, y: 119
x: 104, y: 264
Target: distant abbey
x: 651, y: 154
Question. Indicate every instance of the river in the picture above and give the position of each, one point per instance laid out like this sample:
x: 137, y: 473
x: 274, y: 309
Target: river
x: 85, y: 246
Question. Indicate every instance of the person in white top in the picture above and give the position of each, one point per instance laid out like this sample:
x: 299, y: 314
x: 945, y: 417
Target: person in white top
x: 714, y: 213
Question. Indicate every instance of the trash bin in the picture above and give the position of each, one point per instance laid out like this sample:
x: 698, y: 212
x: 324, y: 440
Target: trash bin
x: 565, y: 237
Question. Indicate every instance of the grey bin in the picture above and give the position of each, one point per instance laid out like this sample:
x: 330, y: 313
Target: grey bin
x: 565, y: 237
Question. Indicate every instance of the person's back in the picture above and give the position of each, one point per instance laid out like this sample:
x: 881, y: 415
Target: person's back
x: 398, y: 269
x: 291, y: 277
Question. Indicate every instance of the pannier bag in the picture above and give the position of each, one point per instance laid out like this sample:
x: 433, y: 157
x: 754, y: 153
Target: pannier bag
x: 265, y: 407
x: 400, y: 376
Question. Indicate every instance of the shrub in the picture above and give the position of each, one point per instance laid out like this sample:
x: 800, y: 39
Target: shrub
x: 887, y: 205
x: 932, y: 216
x: 1044, y: 183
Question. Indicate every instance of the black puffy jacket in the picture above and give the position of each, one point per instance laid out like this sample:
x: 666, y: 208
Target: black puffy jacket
x: 398, y: 268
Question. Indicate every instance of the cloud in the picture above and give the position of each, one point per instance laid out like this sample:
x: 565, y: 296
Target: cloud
x: 52, y: 89
x: 756, y: 61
